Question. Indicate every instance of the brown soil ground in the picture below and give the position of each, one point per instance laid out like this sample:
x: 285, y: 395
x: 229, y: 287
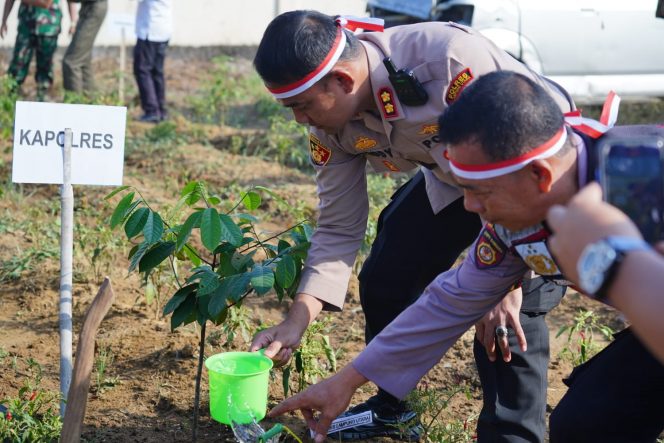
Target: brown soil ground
x: 154, y: 369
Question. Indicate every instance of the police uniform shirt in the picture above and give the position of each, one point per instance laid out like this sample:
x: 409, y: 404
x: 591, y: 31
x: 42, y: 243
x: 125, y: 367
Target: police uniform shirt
x: 445, y: 57
x: 416, y: 340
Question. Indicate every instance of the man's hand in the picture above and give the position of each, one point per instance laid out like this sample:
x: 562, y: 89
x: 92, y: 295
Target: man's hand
x: 506, y: 313
x: 280, y: 341
x: 331, y: 397
x: 585, y: 219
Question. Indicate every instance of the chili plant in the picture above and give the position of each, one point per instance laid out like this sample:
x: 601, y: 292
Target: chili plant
x: 228, y: 260
x: 581, y: 344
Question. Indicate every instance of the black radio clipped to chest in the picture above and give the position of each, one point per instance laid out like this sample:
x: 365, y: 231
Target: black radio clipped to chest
x: 407, y: 87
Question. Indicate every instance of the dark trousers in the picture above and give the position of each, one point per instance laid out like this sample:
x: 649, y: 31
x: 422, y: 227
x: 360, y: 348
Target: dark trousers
x: 77, y: 73
x: 413, y: 245
x: 149, y: 73
x: 617, y: 396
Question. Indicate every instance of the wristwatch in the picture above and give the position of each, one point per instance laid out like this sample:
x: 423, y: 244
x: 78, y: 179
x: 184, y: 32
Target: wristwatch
x: 599, y: 262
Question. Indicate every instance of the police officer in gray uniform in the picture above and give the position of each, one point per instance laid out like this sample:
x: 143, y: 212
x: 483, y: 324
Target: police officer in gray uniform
x: 511, y: 178
x: 338, y: 84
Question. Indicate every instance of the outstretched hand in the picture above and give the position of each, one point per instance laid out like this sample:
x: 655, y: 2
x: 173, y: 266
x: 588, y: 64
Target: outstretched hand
x: 330, y: 398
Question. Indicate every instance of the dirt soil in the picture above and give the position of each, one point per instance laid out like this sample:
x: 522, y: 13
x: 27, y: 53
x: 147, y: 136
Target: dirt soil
x: 154, y: 369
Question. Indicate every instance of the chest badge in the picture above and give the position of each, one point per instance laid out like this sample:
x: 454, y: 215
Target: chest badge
x: 363, y: 143
x: 538, y: 258
x: 320, y: 154
x: 429, y: 129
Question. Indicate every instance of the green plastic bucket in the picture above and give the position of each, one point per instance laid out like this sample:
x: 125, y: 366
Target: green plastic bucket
x: 238, y: 386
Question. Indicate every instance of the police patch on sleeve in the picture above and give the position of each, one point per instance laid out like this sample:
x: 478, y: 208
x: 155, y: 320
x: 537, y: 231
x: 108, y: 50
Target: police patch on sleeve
x: 489, y: 249
x: 320, y: 154
x: 457, y: 84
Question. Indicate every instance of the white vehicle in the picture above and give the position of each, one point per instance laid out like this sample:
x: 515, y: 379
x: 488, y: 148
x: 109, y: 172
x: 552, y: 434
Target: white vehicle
x: 588, y: 46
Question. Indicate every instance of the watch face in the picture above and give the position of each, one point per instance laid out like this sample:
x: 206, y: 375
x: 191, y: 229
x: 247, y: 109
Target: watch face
x: 594, y: 262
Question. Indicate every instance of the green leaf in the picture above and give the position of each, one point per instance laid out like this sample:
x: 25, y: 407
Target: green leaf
x: 273, y: 195
x: 242, y: 261
x: 232, y: 288
x: 208, y: 283
x: 138, y: 255
x: 191, y: 255
x: 185, y: 230
x: 210, y: 228
x: 183, y: 311
x: 154, y: 227
x: 299, y: 364
x: 193, y: 192
x: 135, y: 223
x: 251, y: 200
x: 282, y: 245
x: 219, y: 319
x: 214, y: 200
x: 202, y: 307
x: 262, y: 279
x: 121, y: 209
x: 285, y: 380
x: 230, y: 232
x: 115, y: 191
x: 178, y: 298
x: 155, y: 256
x: 245, y: 218
x: 285, y: 272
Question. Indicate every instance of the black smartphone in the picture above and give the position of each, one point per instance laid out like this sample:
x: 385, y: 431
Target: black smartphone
x: 407, y: 87
x: 632, y: 179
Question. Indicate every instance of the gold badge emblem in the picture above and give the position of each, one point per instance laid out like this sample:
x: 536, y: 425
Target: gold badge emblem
x: 541, y: 264
x: 363, y: 143
x: 489, y: 249
x: 391, y: 166
x: 320, y: 154
x: 429, y: 129
x: 386, y: 97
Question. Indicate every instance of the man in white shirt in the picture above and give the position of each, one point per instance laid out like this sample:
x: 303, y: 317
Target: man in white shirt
x: 154, y: 26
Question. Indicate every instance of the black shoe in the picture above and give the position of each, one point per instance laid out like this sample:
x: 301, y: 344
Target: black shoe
x: 395, y: 421
x: 149, y: 118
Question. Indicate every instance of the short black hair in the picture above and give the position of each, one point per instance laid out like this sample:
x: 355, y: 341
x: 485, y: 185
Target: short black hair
x: 295, y: 43
x: 507, y: 113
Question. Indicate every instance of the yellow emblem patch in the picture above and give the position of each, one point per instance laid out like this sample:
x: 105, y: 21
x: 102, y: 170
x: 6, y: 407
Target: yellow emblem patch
x: 389, y: 165
x: 387, y: 101
x: 541, y: 264
x: 363, y: 143
x: 320, y: 154
x: 457, y: 84
x: 429, y: 129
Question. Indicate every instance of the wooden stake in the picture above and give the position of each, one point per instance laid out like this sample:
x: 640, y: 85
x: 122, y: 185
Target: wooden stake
x: 85, y: 352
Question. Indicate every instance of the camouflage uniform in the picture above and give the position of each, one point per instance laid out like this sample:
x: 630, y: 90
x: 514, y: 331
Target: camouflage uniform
x: 38, y: 30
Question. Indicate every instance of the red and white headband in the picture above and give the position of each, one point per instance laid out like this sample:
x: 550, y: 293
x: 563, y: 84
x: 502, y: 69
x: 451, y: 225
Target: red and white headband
x: 548, y: 149
x: 346, y: 22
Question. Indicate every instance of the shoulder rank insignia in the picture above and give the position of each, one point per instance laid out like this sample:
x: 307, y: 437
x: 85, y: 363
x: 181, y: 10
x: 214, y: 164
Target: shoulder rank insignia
x: 389, y: 107
x: 389, y: 165
x: 489, y: 249
x: 320, y: 154
x: 363, y: 143
x: 457, y: 84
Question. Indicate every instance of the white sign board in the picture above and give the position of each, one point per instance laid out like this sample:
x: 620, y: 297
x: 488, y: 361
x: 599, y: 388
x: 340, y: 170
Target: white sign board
x: 117, y: 22
x: 97, y: 156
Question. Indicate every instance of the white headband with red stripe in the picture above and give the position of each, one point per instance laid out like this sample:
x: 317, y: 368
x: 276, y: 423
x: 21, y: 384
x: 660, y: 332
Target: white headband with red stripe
x: 548, y: 149
x: 347, y: 22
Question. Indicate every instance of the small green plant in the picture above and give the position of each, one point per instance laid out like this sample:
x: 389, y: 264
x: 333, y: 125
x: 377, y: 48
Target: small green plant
x: 103, y: 360
x: 314, y: 358
x: 227, y: 261
x: 8, y: 96
x: 581, y: 344
x: 33, y: 414
x: 431, y: 405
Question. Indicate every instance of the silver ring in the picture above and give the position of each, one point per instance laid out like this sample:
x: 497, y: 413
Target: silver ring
x: 501, y: 331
